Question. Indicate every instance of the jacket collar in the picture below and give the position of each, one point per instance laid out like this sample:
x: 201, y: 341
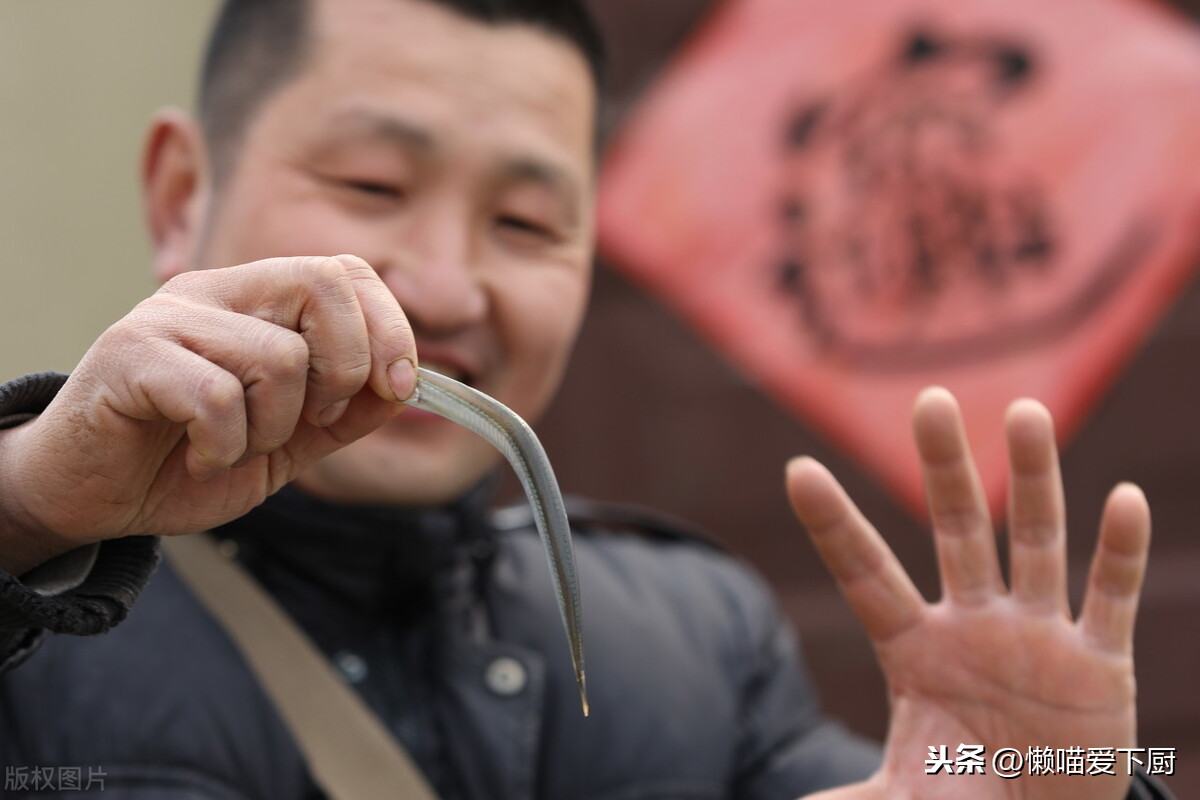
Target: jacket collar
x: 373, y: 561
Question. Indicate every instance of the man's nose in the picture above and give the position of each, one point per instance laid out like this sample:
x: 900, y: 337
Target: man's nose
x: 436, y: 278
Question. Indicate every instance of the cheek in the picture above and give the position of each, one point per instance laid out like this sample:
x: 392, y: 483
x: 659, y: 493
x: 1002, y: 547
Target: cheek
x: 538, y: 314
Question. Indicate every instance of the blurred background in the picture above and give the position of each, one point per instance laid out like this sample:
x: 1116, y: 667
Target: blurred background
x: 649, y: 414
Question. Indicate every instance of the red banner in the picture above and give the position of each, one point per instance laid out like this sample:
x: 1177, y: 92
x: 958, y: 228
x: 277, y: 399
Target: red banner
x: 855, y: 200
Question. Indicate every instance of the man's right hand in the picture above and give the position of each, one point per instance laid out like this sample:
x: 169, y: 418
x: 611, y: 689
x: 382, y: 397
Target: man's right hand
x: 205, y: 399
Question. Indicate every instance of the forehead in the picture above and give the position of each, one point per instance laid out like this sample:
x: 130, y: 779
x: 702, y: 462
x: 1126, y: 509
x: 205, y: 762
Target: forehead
x: 513, y: 85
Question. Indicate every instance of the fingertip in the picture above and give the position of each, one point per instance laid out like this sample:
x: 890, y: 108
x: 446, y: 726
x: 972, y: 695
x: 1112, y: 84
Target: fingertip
x: 797, y: 464
x: 937, y: 425
x: 332, y: 413
x: 935, y: 395
x: 1125, y: 525
x: 1127, y: 500
x: 1029, y: 429
x: 201, y: 467
x: 933, y: 404
x: 1028, y: 413
x: 402, y: 378
x: 812, y: 490
x: 1027, y: 405
x: 1130, y: 490
x: 802, y: 471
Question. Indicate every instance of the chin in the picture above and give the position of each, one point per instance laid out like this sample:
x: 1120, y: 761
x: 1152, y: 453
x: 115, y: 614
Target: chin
x: 390, y: 468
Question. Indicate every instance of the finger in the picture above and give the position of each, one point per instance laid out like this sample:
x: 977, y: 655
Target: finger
x: 866, y: 570
x: 200, y: 395
x: 333, y: 325
x: 311, y: 296
x: 393, y: 351
x: 366, y: 412
x: 962, y: 526
x: 1118, y: 569
x: 1036, y: 515
x: 320, y: 299
x: 271, y: 362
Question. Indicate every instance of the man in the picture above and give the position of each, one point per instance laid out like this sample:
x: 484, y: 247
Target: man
x: 449, y: 146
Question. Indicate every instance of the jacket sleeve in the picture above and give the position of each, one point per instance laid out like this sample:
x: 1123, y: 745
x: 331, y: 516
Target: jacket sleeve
x: 83, y: 592
x: 1147, y: 788
x: 784, y: 745
x: 787, y: 746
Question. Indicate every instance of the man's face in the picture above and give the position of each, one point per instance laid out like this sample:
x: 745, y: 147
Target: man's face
x: 457, y: 159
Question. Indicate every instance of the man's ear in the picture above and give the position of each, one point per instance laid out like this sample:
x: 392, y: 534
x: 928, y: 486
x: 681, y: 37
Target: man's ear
x: 175, y: 186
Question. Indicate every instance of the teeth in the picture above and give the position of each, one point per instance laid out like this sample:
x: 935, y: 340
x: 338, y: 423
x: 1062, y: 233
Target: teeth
x: 443, y: 369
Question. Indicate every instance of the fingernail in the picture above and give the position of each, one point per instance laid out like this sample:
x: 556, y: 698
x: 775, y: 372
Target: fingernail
x: 332, y: 413
x: 402, y: 375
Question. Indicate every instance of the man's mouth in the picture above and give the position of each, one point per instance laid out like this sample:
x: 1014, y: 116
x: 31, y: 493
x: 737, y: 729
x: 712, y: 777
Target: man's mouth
x: 448, y: 370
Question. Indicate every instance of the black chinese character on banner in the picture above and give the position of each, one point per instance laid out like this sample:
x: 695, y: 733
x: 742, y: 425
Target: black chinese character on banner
x: 907, y: 223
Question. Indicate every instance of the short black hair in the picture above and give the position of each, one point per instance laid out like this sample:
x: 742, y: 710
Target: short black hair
x: 256, y: 46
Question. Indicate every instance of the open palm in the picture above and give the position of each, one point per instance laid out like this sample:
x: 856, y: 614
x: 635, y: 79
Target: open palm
x: 990, y: 665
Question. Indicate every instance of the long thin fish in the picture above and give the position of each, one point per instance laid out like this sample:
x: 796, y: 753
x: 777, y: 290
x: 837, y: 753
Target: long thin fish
x: 514, y: 438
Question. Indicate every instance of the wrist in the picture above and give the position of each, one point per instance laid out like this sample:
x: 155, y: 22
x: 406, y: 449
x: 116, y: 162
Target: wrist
x: 25, y: 542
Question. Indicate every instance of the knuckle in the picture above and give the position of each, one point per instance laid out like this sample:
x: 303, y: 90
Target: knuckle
x: 129, y: 348
x: 1034, y: 531
x: 218, y: 394
x: 145, y: 319
x: 400, y: 332
x: 345, y: 373
x: 320, y: 271
x: 184, y: 283
x: 284, y: 353
x: 327, y: 282
x: 269, y: 436
x: 122, y: 336
x: 366, y: 281
x: 353, y: 265
x: 957, y: 521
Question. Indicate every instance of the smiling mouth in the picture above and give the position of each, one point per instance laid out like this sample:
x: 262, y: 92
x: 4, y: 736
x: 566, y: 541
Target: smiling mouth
x: 446, y: 369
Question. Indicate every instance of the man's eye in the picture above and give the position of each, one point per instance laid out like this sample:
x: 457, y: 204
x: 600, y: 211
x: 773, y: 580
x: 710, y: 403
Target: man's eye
x: 524, y: 225
x: 375, y: 189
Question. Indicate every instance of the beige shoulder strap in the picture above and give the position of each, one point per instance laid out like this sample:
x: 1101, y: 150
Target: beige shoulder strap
x: 350, y: 753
